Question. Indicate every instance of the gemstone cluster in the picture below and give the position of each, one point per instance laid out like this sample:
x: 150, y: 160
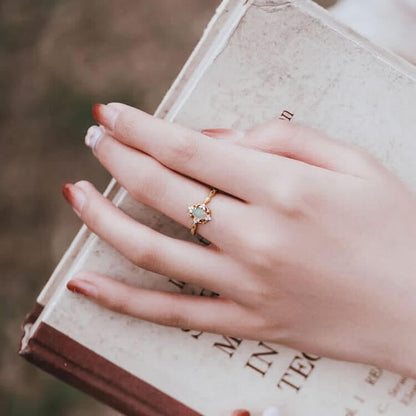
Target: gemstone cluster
x: 199, y: 213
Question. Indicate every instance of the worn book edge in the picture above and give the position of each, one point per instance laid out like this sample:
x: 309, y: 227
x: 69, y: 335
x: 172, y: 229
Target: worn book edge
x: 81, y: 367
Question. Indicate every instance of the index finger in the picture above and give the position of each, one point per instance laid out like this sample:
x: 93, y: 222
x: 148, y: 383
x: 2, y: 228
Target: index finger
x: 236, y: 170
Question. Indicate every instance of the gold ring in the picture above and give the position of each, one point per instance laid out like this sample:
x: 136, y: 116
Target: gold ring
x: 200, y: 213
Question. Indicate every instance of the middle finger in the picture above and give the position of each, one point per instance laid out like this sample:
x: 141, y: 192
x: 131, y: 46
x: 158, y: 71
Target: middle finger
x: 153, y: 184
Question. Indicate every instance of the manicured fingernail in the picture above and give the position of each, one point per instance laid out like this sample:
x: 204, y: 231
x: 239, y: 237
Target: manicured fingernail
x: 83, y: 287
x: 271, y: 411
x: 75, y: 196
x: 240, y: 412
x: 223, y: 134
x: 94, y: 134
x: 105, y: 115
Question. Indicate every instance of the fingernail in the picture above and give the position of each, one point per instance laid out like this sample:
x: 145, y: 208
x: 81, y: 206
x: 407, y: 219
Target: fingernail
x: 223, y: 134
x: 87, y: 289
x: 271, y: 411
x: 75, y: 196
x: 105, y: 115
x: 94, y: 134
x: 240, y: 412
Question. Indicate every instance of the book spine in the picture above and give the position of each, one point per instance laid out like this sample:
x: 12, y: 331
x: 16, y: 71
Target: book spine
x: 82, y: 368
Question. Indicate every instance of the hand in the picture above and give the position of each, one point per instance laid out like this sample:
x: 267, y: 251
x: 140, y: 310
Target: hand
x: 312, y: 240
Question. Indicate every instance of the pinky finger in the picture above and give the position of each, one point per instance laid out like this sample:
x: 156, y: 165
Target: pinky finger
x: 164, y: 308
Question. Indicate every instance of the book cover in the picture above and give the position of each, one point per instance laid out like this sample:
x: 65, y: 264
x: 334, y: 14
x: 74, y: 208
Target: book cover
x: 256, y: 61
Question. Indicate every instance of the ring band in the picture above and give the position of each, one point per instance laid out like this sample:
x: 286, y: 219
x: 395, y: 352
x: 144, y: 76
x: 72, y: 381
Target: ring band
x: 200, y: 213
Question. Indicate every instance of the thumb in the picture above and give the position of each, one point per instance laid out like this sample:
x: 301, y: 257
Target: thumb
x: 306, y: 145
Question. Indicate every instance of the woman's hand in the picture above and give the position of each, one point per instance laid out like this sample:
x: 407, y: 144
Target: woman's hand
x: 313, y: 241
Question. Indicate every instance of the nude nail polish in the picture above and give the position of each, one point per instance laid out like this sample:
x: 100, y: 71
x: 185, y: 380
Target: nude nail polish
x: 93, y: 136
x: 74, y: 196
x: 83, y: 287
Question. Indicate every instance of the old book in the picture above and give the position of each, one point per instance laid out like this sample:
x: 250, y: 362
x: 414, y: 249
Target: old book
x: 256, y: 60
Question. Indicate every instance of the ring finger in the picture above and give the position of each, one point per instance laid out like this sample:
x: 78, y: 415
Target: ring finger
x: 177, y: 259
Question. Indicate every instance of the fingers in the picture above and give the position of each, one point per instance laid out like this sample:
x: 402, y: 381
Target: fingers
x: 238, y: 171
x: 177, y: 259
x: 151, y: 183
x: 170, y: 309
x: 301, y: 143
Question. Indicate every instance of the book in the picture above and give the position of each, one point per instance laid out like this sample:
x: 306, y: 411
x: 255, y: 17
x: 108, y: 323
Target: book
x: 257, y: 60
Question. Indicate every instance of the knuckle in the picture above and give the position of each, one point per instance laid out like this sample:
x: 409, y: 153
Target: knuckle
x: 148, y: 186
x: 289, y: 196
x: 266, y: 329
x: 123, y: 121
x: 183, y: 148
x: 259, y: 292
x: 91, y: 215
x: 175, y: 317
x: 286, y: 316
x: 145, y: 257
x: 264, y: 249
x: 119, y: 303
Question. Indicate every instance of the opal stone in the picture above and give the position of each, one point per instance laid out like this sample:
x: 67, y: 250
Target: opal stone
x: 200, y: 213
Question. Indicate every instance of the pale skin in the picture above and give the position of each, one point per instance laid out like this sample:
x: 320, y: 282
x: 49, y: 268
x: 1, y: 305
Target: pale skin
x: 312, y: 241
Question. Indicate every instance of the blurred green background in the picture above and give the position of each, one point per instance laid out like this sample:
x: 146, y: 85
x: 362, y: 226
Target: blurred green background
x: 58, y: 58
